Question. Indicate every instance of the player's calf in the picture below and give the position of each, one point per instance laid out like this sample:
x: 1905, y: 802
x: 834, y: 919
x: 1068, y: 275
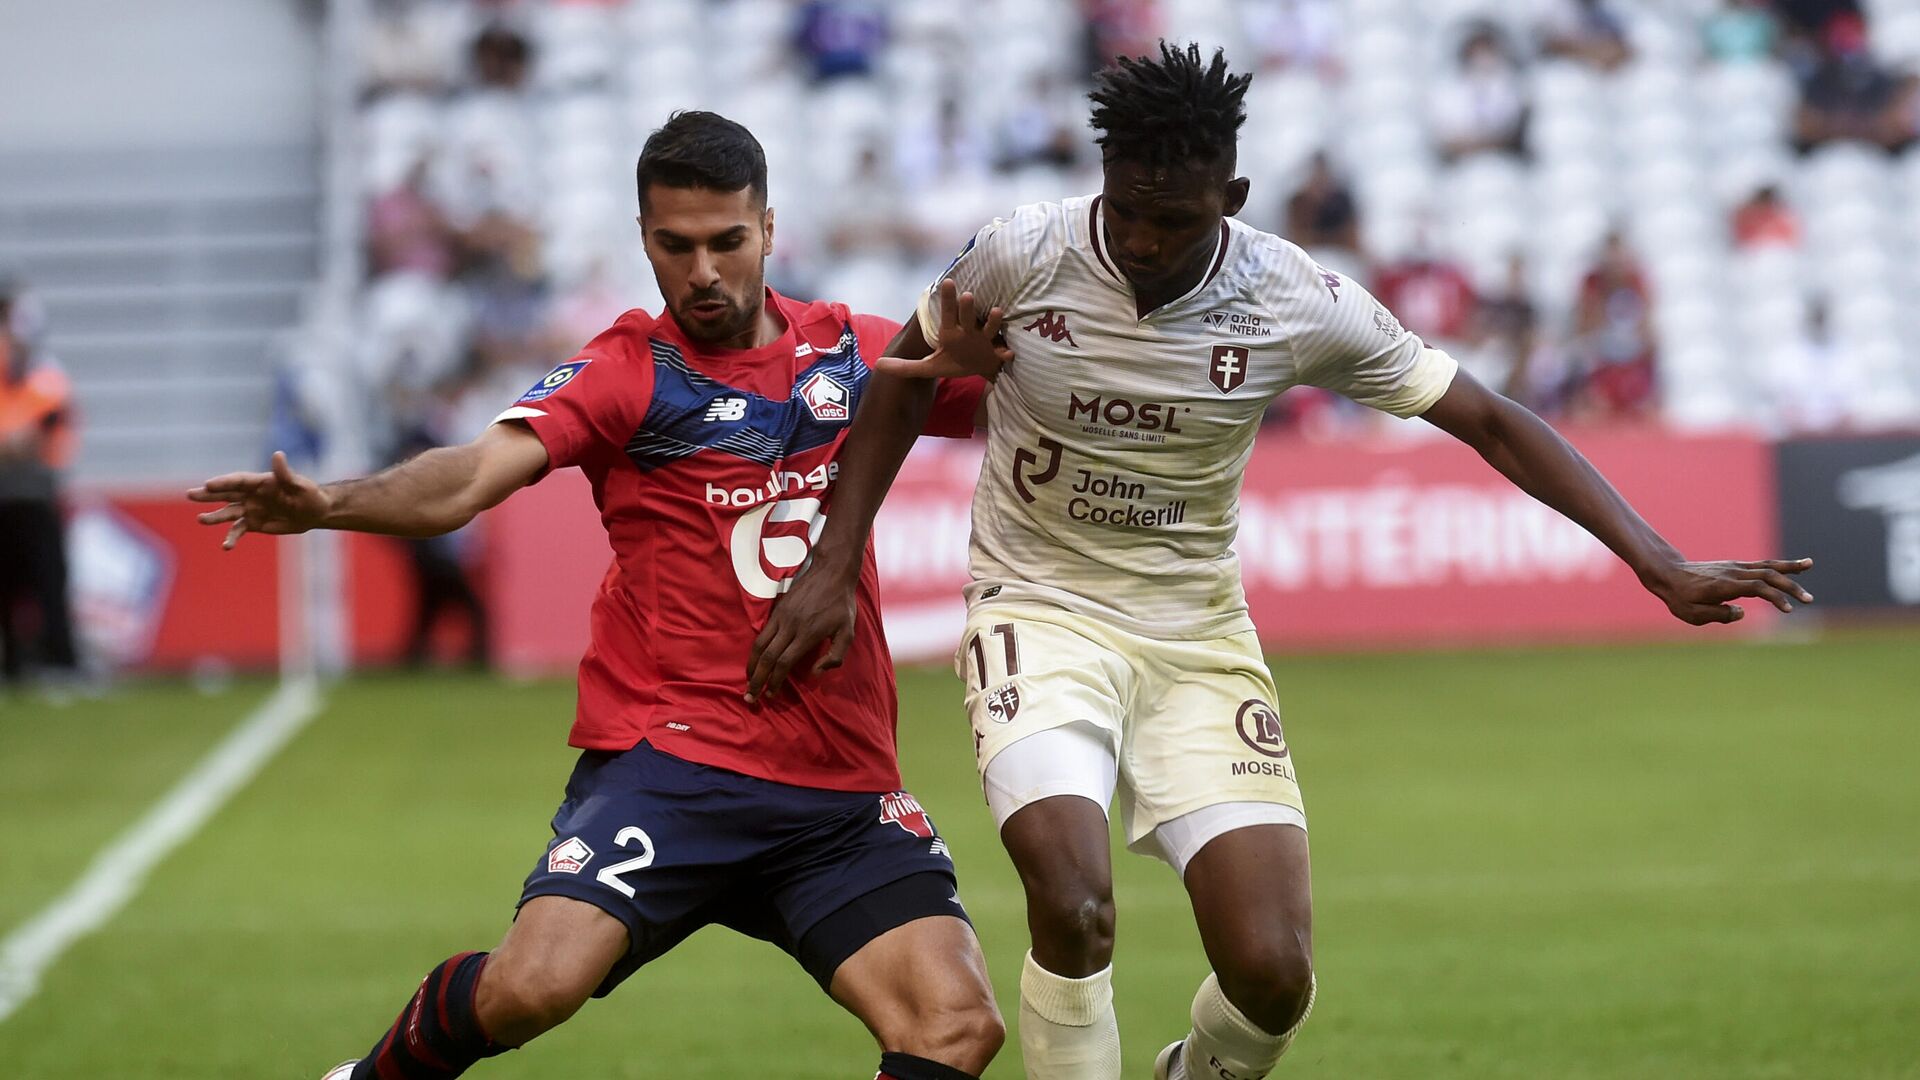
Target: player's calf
x: 438, y: 1034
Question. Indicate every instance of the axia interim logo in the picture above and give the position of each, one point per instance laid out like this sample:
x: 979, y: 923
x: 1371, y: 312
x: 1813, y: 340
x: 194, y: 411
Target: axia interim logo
x: 1052, y: 326
x: 1118, y: 416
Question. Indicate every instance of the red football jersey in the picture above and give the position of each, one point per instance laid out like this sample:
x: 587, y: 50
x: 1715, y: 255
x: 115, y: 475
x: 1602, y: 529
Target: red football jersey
x: 713, y: 470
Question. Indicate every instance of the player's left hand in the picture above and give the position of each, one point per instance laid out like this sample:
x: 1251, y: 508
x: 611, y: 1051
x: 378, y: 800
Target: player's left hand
x: 1702, y: 592
x: 969, y: 343
x: 819, y: 607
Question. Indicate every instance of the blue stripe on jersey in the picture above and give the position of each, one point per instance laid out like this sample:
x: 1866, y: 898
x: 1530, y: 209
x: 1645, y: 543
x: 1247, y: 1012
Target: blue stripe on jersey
x: 692, y: 412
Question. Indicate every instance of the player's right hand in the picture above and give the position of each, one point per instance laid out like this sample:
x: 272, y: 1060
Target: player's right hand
x: 819, y: 607
x: 968, y: 344
x: 277, y: 503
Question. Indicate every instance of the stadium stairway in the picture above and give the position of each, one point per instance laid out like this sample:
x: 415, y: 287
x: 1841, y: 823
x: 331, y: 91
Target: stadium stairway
x: 168, y: 279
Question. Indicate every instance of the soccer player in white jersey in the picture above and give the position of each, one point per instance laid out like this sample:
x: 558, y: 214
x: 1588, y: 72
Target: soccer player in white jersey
x: 1107, y: 650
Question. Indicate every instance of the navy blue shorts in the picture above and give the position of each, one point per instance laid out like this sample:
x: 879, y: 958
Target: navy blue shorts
x: 668, y: 846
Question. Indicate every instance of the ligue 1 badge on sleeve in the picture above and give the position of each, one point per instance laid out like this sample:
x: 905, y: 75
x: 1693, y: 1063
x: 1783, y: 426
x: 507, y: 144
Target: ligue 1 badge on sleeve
x: 553, y: 381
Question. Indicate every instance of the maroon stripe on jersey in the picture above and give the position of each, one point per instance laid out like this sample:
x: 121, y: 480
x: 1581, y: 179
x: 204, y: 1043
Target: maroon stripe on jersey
x: 1099, y: 246
x: 1219, y: 257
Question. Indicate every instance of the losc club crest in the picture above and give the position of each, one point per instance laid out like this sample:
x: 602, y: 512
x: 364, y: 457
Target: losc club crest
x: 902, y: 809
x: 1004, y: 704
x: 1259, y: 727
x: 569, y: 856
x: 1227, y: 370
x: 825, y: 398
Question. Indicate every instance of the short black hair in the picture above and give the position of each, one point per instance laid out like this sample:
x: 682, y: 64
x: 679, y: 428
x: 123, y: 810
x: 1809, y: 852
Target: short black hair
x: 695, y: 149
x: 1171, y: 110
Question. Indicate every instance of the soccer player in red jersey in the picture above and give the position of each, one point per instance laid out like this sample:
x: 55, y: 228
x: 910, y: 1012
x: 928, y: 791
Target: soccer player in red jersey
x: 709, y: 433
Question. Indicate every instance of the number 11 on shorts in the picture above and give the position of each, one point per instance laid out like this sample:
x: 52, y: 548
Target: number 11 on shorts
x: 1010, y: 645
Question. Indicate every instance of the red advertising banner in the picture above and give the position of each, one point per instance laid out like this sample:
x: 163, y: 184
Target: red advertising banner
x: 1391, y: 543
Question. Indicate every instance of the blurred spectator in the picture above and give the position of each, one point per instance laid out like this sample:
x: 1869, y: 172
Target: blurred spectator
x: 1585, y: 30
x: 868, y: 216
x: 440, y: 578
x: 502, y: 58
x: 1613, y: 335
x: 1321, y: 213
x: 36, y: 446
x: 1482, y: 105
x: 1765, y: 221
x: 1809, y: 382
x: 948, y: 149
x: 1507, y: 325
x: 1742, y: 30
x: 1432, y: 296
x: 1296, y: 34
x: 1119, y: 28
x: 1849, y: 95
x: 1039, y: 131
x: 406, y: 231
x: 841, y: 38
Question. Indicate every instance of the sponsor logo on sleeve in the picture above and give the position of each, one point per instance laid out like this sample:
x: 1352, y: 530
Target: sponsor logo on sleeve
x: 902, y: 809
x: 569, y: 856
x: 1384, y: 322
x: 553, y: 381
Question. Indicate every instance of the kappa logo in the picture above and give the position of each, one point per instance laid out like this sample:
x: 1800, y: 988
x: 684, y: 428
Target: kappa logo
x: 1053, y: 327
x: 727, y: 409
x: 569, y: 856
x: 1259, y: 727
x: 1004, y: 704
x: 1227, y: 368
x: 826, y: 398
x: 1331, y: 280
x: 902, y: 809
x: 553, y: 380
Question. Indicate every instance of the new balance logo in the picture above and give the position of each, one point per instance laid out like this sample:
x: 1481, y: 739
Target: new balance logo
x: 1053, y: 327
x: 728, y: 409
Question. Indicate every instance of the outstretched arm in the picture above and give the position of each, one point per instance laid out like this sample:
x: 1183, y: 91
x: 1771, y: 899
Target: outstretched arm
x: 1541, y: 463
x: 436, y: 492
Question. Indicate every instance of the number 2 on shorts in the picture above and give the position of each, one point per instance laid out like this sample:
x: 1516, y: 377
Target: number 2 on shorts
x: 610, y: 876
x: 1009, y: 643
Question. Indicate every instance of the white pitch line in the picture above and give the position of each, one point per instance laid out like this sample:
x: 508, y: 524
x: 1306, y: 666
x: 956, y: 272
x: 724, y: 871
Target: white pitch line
x: 121, y: 868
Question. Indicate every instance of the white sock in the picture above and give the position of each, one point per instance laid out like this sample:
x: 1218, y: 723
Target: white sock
x: 1067, y: 1027
x: 1224, y: 1044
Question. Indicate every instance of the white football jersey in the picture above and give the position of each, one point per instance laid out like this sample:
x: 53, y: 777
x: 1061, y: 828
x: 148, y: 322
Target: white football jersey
x: 1116, y: 444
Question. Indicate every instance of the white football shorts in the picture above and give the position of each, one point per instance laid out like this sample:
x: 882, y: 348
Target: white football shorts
x: 1184, y: 735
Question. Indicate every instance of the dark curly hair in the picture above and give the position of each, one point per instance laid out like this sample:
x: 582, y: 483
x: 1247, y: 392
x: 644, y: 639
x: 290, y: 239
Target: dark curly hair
x: 695, y: 149
x: 1169, y: 111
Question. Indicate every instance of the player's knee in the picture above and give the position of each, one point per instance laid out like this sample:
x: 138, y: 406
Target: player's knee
x: 1270, y: 981
x: 1076, y: 918
x: 521, y: 999
x: 964, y: 1032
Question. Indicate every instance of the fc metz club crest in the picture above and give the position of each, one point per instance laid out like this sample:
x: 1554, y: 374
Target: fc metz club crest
x: 1004, y: 704
x: 1228, y: 368
x: 902, y: 809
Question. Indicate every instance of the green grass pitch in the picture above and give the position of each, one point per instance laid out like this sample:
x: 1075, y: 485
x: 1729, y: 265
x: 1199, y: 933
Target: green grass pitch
x: 1654, y: 862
